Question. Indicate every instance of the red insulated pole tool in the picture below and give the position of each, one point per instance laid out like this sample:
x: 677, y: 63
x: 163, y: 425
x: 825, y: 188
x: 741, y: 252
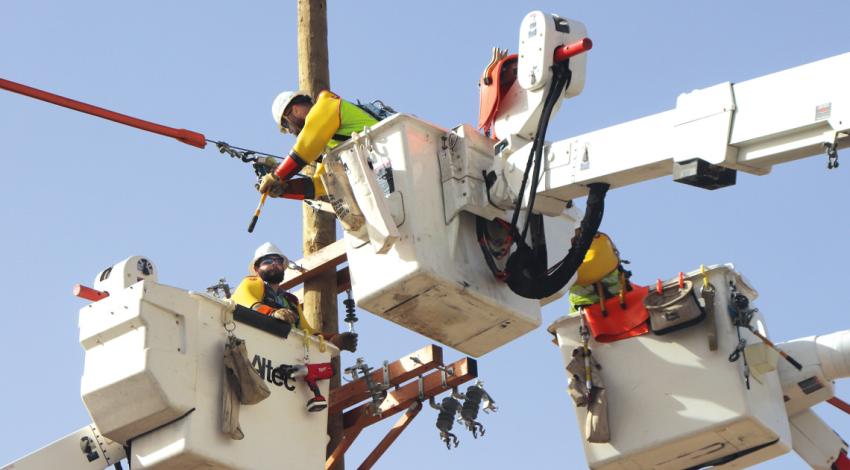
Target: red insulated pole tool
x: 186, y: 136
x: 195, y: 139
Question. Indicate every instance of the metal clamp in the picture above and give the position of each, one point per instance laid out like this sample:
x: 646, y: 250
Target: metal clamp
x: 220, y: 290
x: 445, y: 372
x: 832, y: 150
x: 367, y: 139
x: 386, y: 384
x: 377, y: 392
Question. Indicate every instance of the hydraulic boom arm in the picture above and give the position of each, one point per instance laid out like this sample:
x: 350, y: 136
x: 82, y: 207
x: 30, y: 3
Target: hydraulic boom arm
x: 709, y: 135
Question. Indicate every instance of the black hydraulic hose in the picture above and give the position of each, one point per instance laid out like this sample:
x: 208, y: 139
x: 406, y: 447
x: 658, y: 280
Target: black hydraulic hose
x: 560, y: 80
x: 481, y: 233
x: 528, y: 279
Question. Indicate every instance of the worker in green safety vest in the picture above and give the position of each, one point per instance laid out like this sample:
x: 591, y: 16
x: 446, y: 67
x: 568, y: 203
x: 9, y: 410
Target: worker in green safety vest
x: 324, y: 123
x: 600, y: 275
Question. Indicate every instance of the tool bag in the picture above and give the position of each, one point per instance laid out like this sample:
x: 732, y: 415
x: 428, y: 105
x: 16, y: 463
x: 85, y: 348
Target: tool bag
x: 242, y: 385
x: 596, y: 426
x: 617, y: 323
x: 676, y: 307
x: 341, y: 195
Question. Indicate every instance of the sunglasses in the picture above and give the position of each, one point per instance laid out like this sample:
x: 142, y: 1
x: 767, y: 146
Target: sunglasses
x: 284, y: 124
x: 271, y: 260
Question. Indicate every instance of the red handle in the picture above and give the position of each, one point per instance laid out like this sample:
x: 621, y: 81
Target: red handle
x: 566, y: 51
x: 88, y: 293
x: 186, y: 136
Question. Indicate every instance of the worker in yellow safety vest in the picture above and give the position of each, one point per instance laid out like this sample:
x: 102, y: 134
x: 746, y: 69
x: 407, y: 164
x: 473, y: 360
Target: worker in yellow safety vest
x: 261, y: 291
x: 600, y: 275
x: 323, y: 123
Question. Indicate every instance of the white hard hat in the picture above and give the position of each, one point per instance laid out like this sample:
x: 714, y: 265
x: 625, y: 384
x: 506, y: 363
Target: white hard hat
x: 281, y: 102
x: 266, y: 249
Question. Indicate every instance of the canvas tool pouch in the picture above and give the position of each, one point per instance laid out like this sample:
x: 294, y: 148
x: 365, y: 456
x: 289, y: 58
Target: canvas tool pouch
x: 230, y: 411
x: 242, y: 385
x: 596, y: 424
x: 578, y: 386
x: 341, y: 196
x: 673, y: 309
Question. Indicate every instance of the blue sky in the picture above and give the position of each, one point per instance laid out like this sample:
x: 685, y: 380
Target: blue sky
x: 80, y: 193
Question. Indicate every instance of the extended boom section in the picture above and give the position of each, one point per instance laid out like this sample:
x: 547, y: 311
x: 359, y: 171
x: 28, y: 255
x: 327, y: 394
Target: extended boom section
x: 748, y: 126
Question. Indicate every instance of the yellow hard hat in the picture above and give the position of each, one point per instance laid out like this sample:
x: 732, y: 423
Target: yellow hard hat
x: 600, y: 260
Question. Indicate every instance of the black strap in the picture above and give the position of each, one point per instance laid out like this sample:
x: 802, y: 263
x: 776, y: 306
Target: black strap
x: 262, y: 322
x: 733, y: 456
x: 708, y: 304
x: 340, y: 137
x: 300, y: 161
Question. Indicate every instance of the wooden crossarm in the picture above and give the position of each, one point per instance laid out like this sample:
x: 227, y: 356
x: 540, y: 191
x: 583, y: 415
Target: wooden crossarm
x: 398, y: 400
x: 315, y: 264
x: 343, y: 283
x: 400, y: 371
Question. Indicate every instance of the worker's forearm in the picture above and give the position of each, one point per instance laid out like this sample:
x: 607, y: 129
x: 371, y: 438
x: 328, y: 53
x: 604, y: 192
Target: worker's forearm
x: 291, y: 165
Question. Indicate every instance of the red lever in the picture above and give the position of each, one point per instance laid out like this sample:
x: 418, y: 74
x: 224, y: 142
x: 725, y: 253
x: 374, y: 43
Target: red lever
x: 186, y: 136
x: 88, y: 293
x: 566, y: 51
x: 840, y: 404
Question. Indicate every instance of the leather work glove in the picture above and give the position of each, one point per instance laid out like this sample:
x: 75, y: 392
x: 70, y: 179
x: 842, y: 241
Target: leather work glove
x: 273, y: 185
x: 286, y: 314
x: 295, y: 188
x: 345, y: 341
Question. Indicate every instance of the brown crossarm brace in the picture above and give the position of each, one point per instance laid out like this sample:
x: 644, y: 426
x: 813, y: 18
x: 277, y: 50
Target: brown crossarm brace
x: 347, y: 439
x: 391, y: 436
x: 400, y: 371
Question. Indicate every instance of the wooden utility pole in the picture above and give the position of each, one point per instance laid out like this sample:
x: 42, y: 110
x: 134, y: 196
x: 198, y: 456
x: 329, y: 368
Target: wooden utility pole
x: 319, y: 228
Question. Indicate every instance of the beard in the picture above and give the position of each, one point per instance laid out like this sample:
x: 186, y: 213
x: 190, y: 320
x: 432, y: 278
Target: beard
x: 272, y: 274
